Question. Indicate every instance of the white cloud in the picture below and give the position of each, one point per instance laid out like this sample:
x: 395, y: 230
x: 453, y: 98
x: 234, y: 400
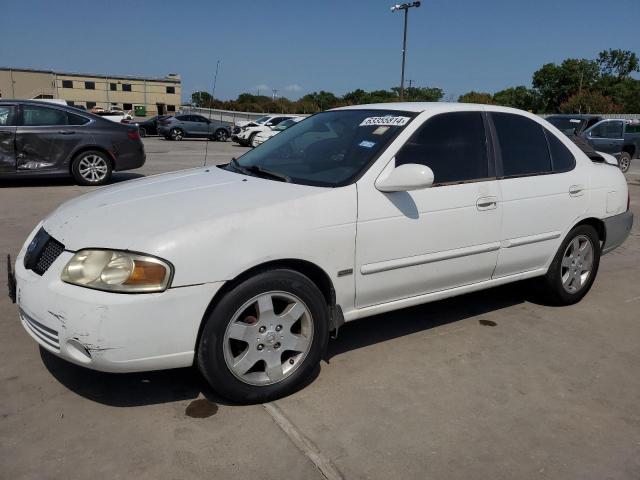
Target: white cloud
x: 293, y: 88
x: 262, y: 87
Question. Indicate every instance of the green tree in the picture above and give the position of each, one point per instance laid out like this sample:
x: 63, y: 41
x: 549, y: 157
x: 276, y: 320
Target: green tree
x: 618, y: 63
x: 201, y: 99
x: 518, y: 97
x: 420, y: 94
x: 589, y: 102
x: 556, y: 83
x: 476, y: 97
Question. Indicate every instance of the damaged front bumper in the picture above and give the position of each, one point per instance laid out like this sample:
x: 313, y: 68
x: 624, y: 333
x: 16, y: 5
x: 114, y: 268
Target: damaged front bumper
x: 110, y: 332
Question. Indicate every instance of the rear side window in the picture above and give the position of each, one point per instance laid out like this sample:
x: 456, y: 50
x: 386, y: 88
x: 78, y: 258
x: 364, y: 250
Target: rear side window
x: 6, y: 115
x: 182, y: 118
x: 453, y: 145
x: 611, y: 129
x: 34, y: 116
x: 562, y: 159
x: 74, y: 119
x: 523, y: 145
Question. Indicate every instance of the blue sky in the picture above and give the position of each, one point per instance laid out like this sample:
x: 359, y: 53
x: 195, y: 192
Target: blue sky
x: 302, y: 46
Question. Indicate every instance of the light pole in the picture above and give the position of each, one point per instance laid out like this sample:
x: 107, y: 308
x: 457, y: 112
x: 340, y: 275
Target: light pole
x: 405, y: 7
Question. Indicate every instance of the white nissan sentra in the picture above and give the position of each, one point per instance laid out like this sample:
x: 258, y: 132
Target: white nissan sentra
x: 245, y: 269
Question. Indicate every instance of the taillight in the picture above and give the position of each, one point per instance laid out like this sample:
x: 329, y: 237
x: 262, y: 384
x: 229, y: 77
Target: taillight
x: 133, y: 134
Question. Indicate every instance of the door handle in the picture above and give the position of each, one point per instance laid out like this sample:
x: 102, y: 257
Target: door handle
x: 575, y: 190
x: 66, y: 132
x: 487, y: 203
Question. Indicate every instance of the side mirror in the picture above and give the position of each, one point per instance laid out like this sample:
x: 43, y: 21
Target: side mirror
x: 410, y: 176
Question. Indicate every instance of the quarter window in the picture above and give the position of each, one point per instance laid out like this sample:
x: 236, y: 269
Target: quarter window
x: 523, y: 145
x: 67, y: 83
x: 90, y: 85
x: 453, y: 145
x: 41, y: 116
x: 561, y: 158
x: 74, y: 119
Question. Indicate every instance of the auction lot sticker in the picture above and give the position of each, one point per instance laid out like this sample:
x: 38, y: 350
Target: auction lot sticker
x: 385, y: 121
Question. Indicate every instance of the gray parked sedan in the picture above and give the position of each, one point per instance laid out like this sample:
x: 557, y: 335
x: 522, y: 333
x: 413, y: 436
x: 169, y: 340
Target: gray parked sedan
x: 181, y: 126
x: 38, y: 138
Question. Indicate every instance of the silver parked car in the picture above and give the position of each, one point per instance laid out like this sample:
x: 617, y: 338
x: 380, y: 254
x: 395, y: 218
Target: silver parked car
x: 181, y: 126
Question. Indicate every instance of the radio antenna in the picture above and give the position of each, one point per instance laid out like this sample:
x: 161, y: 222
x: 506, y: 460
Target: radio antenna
x: 213, y: 93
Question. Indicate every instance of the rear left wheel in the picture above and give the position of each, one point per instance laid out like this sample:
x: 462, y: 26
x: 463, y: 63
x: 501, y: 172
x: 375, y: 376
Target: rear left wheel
x: 91, y: 168
x: 143, y: 132
x: 625, y: 161
x: 265, y: 337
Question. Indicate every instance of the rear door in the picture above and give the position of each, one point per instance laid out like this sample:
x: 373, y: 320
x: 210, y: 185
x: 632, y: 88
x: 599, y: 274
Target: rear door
x: 7, y: 138
x: 542, y: 192
x: 47, y: 136
x: 607, y: 136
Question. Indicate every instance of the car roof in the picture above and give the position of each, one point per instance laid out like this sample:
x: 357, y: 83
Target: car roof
x: 434, y: 107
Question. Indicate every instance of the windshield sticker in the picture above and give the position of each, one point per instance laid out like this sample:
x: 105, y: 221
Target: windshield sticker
x: 380, y: 130
x: 388, y: 121
x: 575, y: 120
x: 366, y: 144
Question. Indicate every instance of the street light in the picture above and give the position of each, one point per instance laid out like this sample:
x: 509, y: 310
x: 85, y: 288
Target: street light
x: 405, y: 7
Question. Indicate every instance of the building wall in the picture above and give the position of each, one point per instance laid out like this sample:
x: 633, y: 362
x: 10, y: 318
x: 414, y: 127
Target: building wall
x: 74, y: 88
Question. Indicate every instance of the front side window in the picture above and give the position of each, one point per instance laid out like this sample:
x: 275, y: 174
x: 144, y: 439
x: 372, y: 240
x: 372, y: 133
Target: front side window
x: 610, y: 129
x: 6, y: 115
x: 453, y: 145
x: 90, y: 85
x: 523, y: 145
x: 34, y: 116
x: 328, y: 149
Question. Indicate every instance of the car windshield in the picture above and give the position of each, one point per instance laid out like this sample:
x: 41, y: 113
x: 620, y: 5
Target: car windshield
x: 328, y: 149
x: 261, y: 119
x: 567, y: 125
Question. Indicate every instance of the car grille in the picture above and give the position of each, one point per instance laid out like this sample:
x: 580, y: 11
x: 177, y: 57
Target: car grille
x: 42, y: 252
x: 46, y: 335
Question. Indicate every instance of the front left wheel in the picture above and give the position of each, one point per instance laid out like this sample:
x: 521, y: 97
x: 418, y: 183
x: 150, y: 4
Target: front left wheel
x: 265, y: 337
x: 91, y: 168
x: 221, y: 135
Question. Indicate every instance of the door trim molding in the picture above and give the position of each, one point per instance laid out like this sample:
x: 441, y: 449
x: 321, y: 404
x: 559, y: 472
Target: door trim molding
x: 394, y: 264
x: 540, y: 237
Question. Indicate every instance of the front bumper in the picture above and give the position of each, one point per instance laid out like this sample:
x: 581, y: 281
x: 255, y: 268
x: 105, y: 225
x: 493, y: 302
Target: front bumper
x: 617, y: 229
x: 106, y: 331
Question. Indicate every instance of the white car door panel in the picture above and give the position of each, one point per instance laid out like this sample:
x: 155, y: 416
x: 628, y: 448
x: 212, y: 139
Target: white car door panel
x: 421, y: 241
x: 538, y: 209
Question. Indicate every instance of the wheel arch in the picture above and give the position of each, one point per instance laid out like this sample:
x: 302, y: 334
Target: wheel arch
x: 309, y: 269
x: 88, y: 148
x: 630, y: 149
x: 595, y: 223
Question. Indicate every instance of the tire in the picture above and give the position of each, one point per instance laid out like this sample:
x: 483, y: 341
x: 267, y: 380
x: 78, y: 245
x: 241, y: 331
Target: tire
x: 625, y: 161
x: 221, y: 135
x: 237, y: 317
x: 143, y: 132
x: 92, y: 168
x: 250, y: 139
x: 559, y: 286
x: 177, y: 134
x: 253, y: 141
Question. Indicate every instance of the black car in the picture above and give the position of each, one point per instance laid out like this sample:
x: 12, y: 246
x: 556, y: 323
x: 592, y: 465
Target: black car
x: 39, y: 138
x: 570, y: 124
x: 150, y: 125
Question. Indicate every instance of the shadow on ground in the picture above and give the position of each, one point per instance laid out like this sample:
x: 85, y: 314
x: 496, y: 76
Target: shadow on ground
x: 149, y: 388
x: 62, y: 181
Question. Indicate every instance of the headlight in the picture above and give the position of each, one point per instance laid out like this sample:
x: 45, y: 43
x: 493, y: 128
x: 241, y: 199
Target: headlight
x: 117, y: 271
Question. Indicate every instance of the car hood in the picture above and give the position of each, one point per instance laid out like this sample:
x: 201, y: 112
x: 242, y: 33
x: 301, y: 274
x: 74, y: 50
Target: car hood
x: 154, y: 213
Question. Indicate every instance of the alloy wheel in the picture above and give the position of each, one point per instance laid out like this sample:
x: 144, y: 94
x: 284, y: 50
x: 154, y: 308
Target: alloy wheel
x: 268, y: 338
x: 93, y: 168
x: 577, y: 263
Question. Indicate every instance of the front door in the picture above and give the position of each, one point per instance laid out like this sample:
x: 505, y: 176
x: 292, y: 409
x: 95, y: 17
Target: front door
x: 7, y: 138
x: 542, y: 192
x: 46, y: 137
x: 436, y: 238
x: 607, y: 136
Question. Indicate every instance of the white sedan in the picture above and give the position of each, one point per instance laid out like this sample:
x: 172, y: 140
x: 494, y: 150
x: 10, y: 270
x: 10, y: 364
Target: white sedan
x: 262, y: 137
x: 245, y: 269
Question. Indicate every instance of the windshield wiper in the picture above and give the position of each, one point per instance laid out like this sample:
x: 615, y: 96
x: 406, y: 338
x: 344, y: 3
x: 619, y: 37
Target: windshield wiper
x: 259, y: 171
x: 236, y: 166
